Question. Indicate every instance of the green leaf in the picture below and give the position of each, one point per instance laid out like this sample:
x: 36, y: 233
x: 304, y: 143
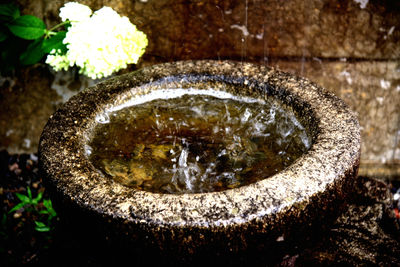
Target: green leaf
x: 23, y: 198
x: 40, y: 195
x: 47, y: 203
x: 55, y: 42
x: 41, y: 227
x: 28, y: 189
x: 17, y: 207
x: 43, y: 212
x: 49, y: 206
x: 53, y: 213
x: 8, y: 12
x: 39, y: 224
x: 27, y: 27
x: 33, y: 54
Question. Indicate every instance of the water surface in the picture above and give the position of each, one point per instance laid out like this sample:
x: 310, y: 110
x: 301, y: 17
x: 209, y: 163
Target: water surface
x: 192, y: 141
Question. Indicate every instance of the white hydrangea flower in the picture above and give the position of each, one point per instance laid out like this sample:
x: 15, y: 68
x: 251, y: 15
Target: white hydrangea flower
x: 57, y: 61
x: 75, y: 12
x: 101, y: 45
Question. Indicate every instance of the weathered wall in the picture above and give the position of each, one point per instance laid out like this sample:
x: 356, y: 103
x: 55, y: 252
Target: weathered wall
x: 350, y: 47
x: 254, y: 29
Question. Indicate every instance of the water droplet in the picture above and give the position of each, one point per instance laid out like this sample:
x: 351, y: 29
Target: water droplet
x: 195, y: 141
x: 103, y: 118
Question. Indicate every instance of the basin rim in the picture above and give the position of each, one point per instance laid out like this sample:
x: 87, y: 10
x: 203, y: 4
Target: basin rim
x: 332, y: 158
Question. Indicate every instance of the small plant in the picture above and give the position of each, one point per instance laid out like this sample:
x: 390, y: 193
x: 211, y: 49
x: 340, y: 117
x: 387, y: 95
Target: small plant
x: 98, y: 43
x: 25, y: 40
x: 40, y: 209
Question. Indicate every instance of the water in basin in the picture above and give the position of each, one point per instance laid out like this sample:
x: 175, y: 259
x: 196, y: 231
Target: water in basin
x: 193, y: 141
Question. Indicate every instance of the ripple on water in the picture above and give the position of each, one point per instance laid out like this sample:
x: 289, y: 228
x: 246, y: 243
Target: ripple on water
x: 190, y: 141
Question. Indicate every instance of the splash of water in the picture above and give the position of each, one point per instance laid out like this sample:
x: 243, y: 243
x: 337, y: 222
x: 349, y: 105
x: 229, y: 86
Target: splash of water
x: 187, y: 141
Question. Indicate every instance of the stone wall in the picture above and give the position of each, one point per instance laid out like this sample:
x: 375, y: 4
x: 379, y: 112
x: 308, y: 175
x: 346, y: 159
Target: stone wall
x: 350, y: 47
x: 254, y: 29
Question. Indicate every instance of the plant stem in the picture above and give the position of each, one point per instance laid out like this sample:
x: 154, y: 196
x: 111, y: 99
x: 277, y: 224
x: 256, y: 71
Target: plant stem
x: 50, y: 32
x: 59, y: 25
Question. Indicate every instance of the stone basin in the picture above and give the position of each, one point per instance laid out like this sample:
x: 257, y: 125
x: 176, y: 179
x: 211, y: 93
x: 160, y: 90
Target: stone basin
x: 305, y: 196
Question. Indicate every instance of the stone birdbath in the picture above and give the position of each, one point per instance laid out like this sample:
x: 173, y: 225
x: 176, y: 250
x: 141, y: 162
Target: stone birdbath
x: 256, y: 211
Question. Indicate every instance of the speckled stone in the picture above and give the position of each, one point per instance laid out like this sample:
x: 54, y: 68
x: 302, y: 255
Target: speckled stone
x: 307, y: 194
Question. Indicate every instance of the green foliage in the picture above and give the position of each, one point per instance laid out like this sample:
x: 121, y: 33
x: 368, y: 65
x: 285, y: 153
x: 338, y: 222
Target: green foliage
x: 55, y: 42
x: 25, y: 40
x: 42, y: 209
x: 27, y: 27
x: 33, y: 53
x: 8, y: 12
x: 41, y: 227
x: 27, y: 200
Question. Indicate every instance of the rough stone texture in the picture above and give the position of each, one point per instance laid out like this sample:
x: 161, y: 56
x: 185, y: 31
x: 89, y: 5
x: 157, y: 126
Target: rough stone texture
x: 308, y: 193
x: 255, y: 29
x: 372, y: 90
x: 366, y: 233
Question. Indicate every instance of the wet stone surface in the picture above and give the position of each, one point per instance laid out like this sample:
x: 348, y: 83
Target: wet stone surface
x: 366, y: 233
x: 28, y: 100
x: 309, y: 192
x: 196, y: 142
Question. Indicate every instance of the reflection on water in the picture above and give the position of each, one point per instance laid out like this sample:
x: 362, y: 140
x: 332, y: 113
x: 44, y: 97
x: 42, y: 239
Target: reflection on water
x: 197, y: 142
